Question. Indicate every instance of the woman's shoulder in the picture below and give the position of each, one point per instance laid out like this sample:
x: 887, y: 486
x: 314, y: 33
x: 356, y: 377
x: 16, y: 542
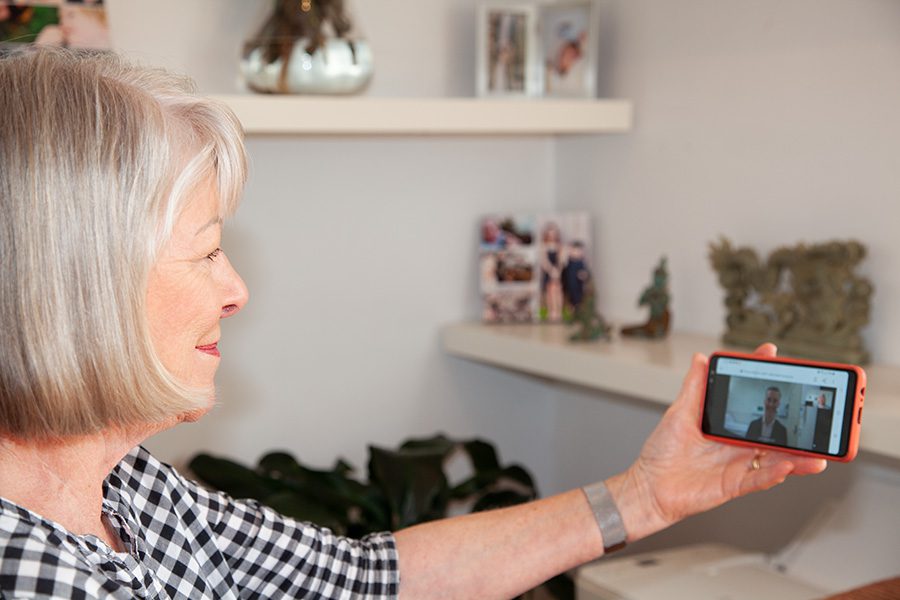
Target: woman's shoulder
x: 38, y: 558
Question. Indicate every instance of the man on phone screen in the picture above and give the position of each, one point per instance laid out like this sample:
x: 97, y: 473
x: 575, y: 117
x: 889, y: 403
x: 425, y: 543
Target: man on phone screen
x: 767, y: 428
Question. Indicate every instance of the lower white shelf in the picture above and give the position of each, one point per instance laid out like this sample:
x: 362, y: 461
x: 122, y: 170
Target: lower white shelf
x: 649, y: 370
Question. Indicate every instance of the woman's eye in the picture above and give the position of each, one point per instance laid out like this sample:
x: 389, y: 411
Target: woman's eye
x: 212, y: 255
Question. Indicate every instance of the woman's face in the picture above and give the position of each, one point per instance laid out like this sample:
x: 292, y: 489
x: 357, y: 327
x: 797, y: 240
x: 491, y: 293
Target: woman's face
x: 192, y: 286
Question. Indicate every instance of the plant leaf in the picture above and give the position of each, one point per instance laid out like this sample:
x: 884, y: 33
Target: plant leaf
x: 500, y: 500
x: 413, y: 483
x: 483, y: 455
x: 518, y: 474
x: 298, y: 507
x: 436, y: 444
x: 330, y: 488
x: 231, y: 477
x: 513, y: 476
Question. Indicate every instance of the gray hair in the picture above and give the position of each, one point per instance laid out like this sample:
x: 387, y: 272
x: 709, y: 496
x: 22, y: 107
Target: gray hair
x: 98, y: 157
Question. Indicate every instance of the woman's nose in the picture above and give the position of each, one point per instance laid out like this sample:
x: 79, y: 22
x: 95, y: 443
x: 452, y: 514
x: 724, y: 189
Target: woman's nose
x: 235, y: 293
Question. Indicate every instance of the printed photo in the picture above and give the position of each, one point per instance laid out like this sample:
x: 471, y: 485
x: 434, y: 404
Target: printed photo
x: 68, y: 24
x: 563, y: 251
x: 543, y: 257
x: 508, y: 307
x: 506, y: 49
x: 568, y: 45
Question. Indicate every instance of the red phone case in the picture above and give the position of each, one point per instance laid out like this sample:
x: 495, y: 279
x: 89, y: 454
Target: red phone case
x: 858, y: 398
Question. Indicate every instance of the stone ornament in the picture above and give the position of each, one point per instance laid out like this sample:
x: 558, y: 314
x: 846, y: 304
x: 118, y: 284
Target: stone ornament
x: 807, y: 299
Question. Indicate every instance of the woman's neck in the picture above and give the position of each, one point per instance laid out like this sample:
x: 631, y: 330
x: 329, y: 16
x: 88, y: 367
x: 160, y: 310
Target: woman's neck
x: 63, y: 480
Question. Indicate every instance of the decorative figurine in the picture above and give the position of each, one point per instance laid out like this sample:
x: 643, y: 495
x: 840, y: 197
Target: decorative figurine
x: 806, y: 299
x: 591, y: 326
x: 656, y: 297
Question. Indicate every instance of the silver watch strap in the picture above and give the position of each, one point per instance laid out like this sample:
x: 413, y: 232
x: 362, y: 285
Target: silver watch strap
x: 607, y: 515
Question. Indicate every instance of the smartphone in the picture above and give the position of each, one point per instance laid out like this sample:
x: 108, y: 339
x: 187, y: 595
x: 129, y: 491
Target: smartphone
x: 799, y: 406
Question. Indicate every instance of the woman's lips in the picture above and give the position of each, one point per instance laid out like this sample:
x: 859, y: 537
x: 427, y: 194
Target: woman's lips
x: 210, y: 349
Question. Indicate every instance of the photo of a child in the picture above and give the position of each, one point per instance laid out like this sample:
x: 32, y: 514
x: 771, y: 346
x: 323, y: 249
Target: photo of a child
x: 567, y: 41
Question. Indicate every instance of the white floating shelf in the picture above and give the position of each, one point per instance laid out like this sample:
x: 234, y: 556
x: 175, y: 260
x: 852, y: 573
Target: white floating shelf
x: 296, y: 115
x: 648, y: 370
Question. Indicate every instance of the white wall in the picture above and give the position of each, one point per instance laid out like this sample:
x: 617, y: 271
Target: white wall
x: 356, y: 250
x: 770, y: 122
x: 767, y: 122
x: 421, y: 48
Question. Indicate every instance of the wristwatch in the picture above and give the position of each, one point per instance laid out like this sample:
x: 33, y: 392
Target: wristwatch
x: 607, y: 515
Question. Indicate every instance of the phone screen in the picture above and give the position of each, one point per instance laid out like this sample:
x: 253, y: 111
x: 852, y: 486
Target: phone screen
x: 807, y: 408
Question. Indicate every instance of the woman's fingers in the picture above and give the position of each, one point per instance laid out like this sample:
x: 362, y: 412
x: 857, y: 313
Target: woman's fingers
x: 766, y: 469
x: 808, y: 466
x: 690, y: 398
x: 769, y: 350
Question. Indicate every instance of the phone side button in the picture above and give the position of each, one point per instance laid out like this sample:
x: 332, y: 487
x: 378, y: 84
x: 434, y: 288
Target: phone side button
x: 859, y: 415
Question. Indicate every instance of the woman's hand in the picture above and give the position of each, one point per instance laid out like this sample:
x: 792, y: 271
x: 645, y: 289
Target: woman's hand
x: 680, y: 473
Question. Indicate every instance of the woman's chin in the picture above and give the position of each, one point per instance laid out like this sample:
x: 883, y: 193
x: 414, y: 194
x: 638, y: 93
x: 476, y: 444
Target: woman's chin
x: 193, y: 416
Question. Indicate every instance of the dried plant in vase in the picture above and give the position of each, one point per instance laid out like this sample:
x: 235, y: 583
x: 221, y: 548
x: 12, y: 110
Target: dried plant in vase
x: 305, y: 47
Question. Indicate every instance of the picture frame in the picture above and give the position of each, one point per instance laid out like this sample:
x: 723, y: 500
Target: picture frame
x: 507, y: 54
x: 568, y: 44
x: 537, y: 48
x: 534, y: 268
x: 68, y: 23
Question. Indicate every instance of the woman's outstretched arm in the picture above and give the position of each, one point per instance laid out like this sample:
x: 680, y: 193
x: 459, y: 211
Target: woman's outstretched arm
x: 501, y: 553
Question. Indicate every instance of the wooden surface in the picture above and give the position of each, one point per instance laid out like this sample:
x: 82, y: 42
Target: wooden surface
x: 888, y: 589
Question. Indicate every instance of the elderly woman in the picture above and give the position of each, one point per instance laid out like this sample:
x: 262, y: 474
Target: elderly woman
x: 114, y: 182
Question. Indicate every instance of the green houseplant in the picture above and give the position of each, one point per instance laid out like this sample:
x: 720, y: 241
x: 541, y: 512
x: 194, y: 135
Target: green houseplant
x: 405, y: 486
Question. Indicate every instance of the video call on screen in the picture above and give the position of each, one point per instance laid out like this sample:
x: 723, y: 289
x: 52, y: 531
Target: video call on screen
x: 776, y: 403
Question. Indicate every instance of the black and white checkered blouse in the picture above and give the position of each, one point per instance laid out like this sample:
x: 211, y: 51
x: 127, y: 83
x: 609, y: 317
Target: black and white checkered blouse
x: 186, y: 542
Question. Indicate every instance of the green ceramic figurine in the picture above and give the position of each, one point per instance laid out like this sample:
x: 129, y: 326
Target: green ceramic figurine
x: 806, y: 299
x: 656, y: 297
x: 591, y: 326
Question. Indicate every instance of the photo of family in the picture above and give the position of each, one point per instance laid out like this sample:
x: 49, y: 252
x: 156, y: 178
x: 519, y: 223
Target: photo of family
x: 534, y: 267
x: 70, y: 24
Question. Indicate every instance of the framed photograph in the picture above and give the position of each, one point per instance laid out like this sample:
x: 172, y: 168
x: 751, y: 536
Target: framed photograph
x: 564, y: 250
x: 72, y: 24
x: 507, y: 49
x: 567, y: 34
x: 534, y: 268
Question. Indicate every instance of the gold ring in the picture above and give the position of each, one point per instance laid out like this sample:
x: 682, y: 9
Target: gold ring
x: 754, y: 464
